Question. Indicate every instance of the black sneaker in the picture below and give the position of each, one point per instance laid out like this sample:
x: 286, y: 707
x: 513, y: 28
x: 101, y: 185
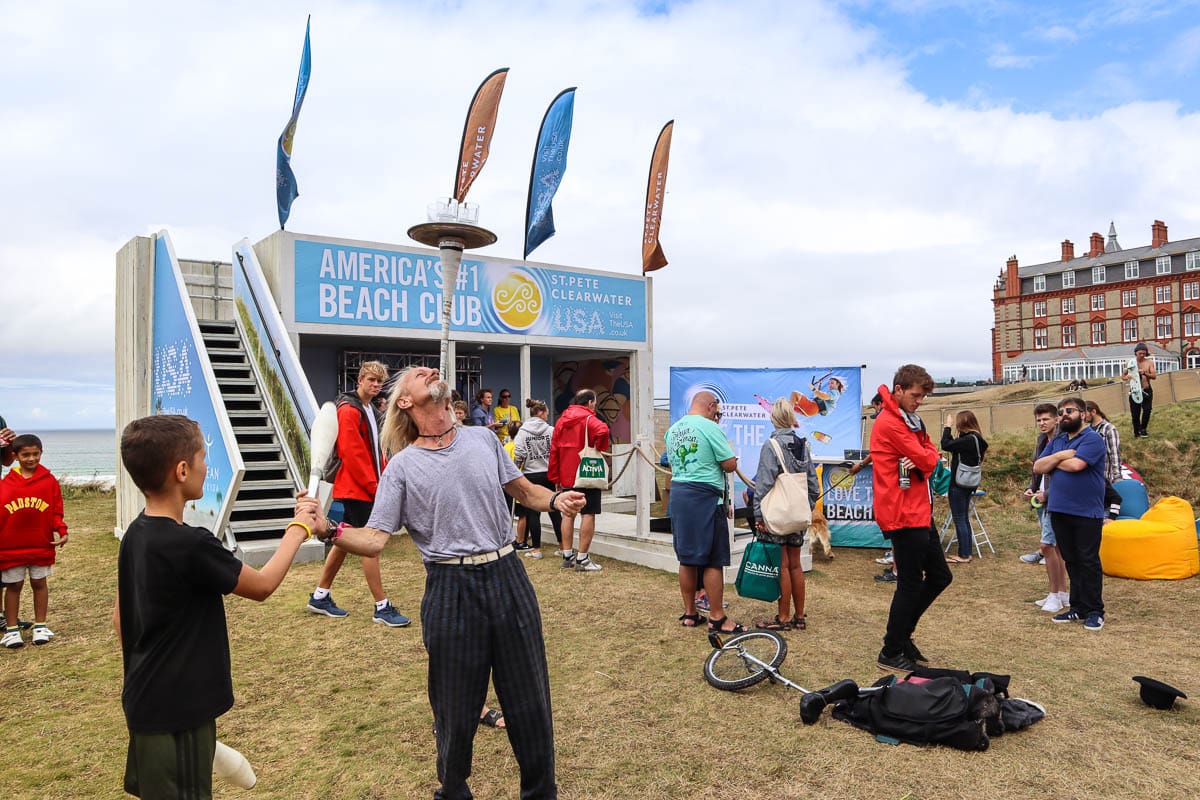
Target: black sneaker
x: 910, y: 650
x: 521, y: 546
x: 899, y: 662
x: 887, y: 577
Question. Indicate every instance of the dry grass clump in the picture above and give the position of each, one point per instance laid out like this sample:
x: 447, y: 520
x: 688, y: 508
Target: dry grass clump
x: 337, y: 708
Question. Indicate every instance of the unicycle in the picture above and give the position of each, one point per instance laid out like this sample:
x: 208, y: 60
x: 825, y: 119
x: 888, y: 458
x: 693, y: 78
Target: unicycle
x: 750, y: 658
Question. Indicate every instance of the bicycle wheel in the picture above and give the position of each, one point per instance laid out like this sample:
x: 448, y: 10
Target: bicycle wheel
x: 728, y: 669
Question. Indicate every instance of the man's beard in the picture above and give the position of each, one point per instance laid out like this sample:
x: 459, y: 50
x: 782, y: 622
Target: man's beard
x: 1071, y: 424
x: 439, y: 392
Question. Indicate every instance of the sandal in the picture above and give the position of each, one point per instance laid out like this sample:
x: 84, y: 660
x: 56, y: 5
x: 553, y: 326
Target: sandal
x: 493, y: 718
x: 718, y: 626
x: 691, y: 620
x: 773, y: 625
x: 953, y: 559
x: 799, y: 623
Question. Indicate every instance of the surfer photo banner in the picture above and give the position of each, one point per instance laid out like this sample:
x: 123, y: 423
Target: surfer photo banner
x: 826, y: 407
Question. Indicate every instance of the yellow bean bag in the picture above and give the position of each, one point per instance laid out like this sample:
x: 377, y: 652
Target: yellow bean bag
x: 1159, y: 546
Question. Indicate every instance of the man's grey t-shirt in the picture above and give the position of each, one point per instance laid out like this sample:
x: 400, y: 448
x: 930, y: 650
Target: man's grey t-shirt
x: 450, y: 500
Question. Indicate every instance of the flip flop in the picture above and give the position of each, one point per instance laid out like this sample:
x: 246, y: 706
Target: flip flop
x: 492, y: 718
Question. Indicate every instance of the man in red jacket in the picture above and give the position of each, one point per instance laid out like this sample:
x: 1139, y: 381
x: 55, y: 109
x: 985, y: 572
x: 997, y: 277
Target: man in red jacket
x: 31, y: 526
x: 354, y: 487
x: 575, y: 427
x: 904, y: 457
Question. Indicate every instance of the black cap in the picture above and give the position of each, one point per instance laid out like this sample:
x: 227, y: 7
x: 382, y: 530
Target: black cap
x: 1157, y: 694
x: 1141, y: 346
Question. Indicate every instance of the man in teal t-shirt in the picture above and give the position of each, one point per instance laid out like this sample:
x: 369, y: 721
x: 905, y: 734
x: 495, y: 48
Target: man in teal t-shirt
x: 700, y: 457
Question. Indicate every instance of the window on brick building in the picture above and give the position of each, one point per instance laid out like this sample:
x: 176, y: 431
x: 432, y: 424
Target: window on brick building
x: 1097, y: 274
x: 1129, y: 330
x: 1162, y: 294
x: 1097, y: 302
x: 1068, y: 279
x: 1128, y: 298
x: 1097, y: 333
x: 1039, y: 339
x: 1191, y: 324
x: 1068, y: 305
x: 1162, y: 326
x: 1131, y: 269
x: 1192, y: 262
x: 1039, y: 283
x: 1039, y: 308
x: 1191, y: 290
x: 1162, y: 265
x: 1068, y: 335
x: 1193, y: 359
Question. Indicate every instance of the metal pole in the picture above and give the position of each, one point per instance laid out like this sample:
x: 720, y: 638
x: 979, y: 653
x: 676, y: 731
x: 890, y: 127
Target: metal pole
x: 451, y: 251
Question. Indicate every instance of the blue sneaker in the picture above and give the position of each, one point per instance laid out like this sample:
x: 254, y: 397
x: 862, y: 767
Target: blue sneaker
x: 1094, y: 622
x: 1067, y: 616
x: 325, y: 606
x: 389, y: 616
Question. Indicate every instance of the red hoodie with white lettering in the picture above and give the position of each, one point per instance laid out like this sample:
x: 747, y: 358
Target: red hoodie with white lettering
x: 31, y: 512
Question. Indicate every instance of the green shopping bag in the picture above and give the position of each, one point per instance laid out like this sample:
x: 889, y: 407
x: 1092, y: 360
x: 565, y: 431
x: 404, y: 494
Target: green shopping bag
x: 758, y: 576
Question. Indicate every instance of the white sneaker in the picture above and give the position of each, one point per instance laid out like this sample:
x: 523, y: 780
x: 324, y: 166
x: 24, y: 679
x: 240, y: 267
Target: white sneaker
x: 12, y: 640
x: 587, y: 565
x: 533, y: 553
x: 42, y: 634
x: 1045, y: 599
x: 1053, y: 605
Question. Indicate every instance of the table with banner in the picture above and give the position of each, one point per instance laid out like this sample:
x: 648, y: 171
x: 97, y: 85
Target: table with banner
x: 848, y: 504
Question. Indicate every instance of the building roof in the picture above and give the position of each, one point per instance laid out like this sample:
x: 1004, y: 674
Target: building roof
x: 1088, y: 353
x: 1110, y: 258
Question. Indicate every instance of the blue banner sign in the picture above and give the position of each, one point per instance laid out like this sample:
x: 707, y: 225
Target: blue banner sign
x: 849, y: 505
x: 351, y: 285
x: 825, y: 401
x: 183, y: 383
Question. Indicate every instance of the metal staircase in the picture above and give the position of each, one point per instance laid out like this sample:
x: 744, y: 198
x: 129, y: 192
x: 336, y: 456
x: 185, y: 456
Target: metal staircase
x: 264, y: 501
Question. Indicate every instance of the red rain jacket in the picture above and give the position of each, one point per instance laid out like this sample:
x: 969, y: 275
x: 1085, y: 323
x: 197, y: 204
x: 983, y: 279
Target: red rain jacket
x: 891, y: 439
x: 357, y: 478
x: 31, y: 511
x: 567, y: 441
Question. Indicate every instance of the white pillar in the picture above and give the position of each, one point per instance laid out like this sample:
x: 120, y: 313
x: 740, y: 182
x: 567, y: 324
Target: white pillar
x: 526, y: 381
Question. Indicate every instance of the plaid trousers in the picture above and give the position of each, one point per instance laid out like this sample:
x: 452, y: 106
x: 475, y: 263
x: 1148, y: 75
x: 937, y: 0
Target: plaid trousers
x: 480, y: 621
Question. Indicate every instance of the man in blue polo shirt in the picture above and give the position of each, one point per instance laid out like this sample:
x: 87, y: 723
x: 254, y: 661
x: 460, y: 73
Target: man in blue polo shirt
x: 1076, y: 457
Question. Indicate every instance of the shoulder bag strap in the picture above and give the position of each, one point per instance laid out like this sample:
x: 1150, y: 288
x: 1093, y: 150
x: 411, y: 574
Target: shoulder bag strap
x: 779, y: 453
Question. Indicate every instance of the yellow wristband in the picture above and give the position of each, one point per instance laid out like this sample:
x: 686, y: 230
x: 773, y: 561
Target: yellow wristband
x: 307, y: 529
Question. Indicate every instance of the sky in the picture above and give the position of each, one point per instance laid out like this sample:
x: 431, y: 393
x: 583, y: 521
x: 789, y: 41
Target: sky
x: 847, y: 179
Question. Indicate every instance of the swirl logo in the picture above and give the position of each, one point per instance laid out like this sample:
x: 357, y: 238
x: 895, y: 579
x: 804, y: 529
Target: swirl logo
x: 517, y: 300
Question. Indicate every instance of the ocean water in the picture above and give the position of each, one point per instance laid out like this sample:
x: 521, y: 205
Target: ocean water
x: 81, y: 454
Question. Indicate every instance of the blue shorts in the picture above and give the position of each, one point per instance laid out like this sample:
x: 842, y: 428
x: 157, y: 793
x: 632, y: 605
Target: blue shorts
x: 1047, y: 528
x: 699, y: 526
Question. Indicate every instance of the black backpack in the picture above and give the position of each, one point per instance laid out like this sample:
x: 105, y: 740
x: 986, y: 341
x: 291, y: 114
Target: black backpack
x: 940, y: 710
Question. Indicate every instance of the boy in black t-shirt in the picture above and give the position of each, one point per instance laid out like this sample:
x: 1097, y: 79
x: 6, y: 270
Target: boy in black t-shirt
x: 170, y: 616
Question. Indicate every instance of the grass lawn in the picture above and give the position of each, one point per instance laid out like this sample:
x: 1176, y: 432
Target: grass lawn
x: 337, y: 708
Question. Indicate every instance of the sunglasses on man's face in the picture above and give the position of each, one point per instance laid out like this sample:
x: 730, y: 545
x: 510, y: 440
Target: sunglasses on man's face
x: 1065, y: 412
x: 505, y: 396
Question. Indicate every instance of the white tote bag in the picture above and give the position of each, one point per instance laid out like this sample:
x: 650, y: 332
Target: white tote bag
x: 593, y: 469
x: 785, y: 508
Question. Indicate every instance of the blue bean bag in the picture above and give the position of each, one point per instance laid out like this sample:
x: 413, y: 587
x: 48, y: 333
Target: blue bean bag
x: 1134, y: 501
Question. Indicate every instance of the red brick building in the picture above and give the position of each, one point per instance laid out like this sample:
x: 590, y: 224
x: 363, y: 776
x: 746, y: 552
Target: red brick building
x: 1079, y: 317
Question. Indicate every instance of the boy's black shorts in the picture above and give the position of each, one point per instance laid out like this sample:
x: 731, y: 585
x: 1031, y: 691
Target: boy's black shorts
x: 171, y: 765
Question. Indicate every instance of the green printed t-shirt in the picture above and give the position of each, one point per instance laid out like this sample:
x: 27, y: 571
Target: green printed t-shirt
x: 696, y: 446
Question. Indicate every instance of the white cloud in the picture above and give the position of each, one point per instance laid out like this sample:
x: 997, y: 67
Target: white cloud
x: 1055, y: 33
x: 1002, y: 57
x: 820, y: 210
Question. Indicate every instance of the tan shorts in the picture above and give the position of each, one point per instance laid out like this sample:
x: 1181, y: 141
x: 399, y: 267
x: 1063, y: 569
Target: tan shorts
x: 17, y: 574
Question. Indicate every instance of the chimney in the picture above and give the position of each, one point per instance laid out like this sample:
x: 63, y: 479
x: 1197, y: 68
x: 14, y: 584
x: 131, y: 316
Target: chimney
x: 1012, y: 281
x: 1068, y: 250
x: 1096, y: 247
x: 1158, y: 233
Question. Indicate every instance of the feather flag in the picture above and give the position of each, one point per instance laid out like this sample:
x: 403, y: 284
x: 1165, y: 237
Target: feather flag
x: 549, y: 164
x: 656, y: 187
x: 477, y: 132
x: 285, y: 180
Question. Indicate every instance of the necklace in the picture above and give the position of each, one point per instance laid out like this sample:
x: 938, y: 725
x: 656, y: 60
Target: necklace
x: 437, y: 436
